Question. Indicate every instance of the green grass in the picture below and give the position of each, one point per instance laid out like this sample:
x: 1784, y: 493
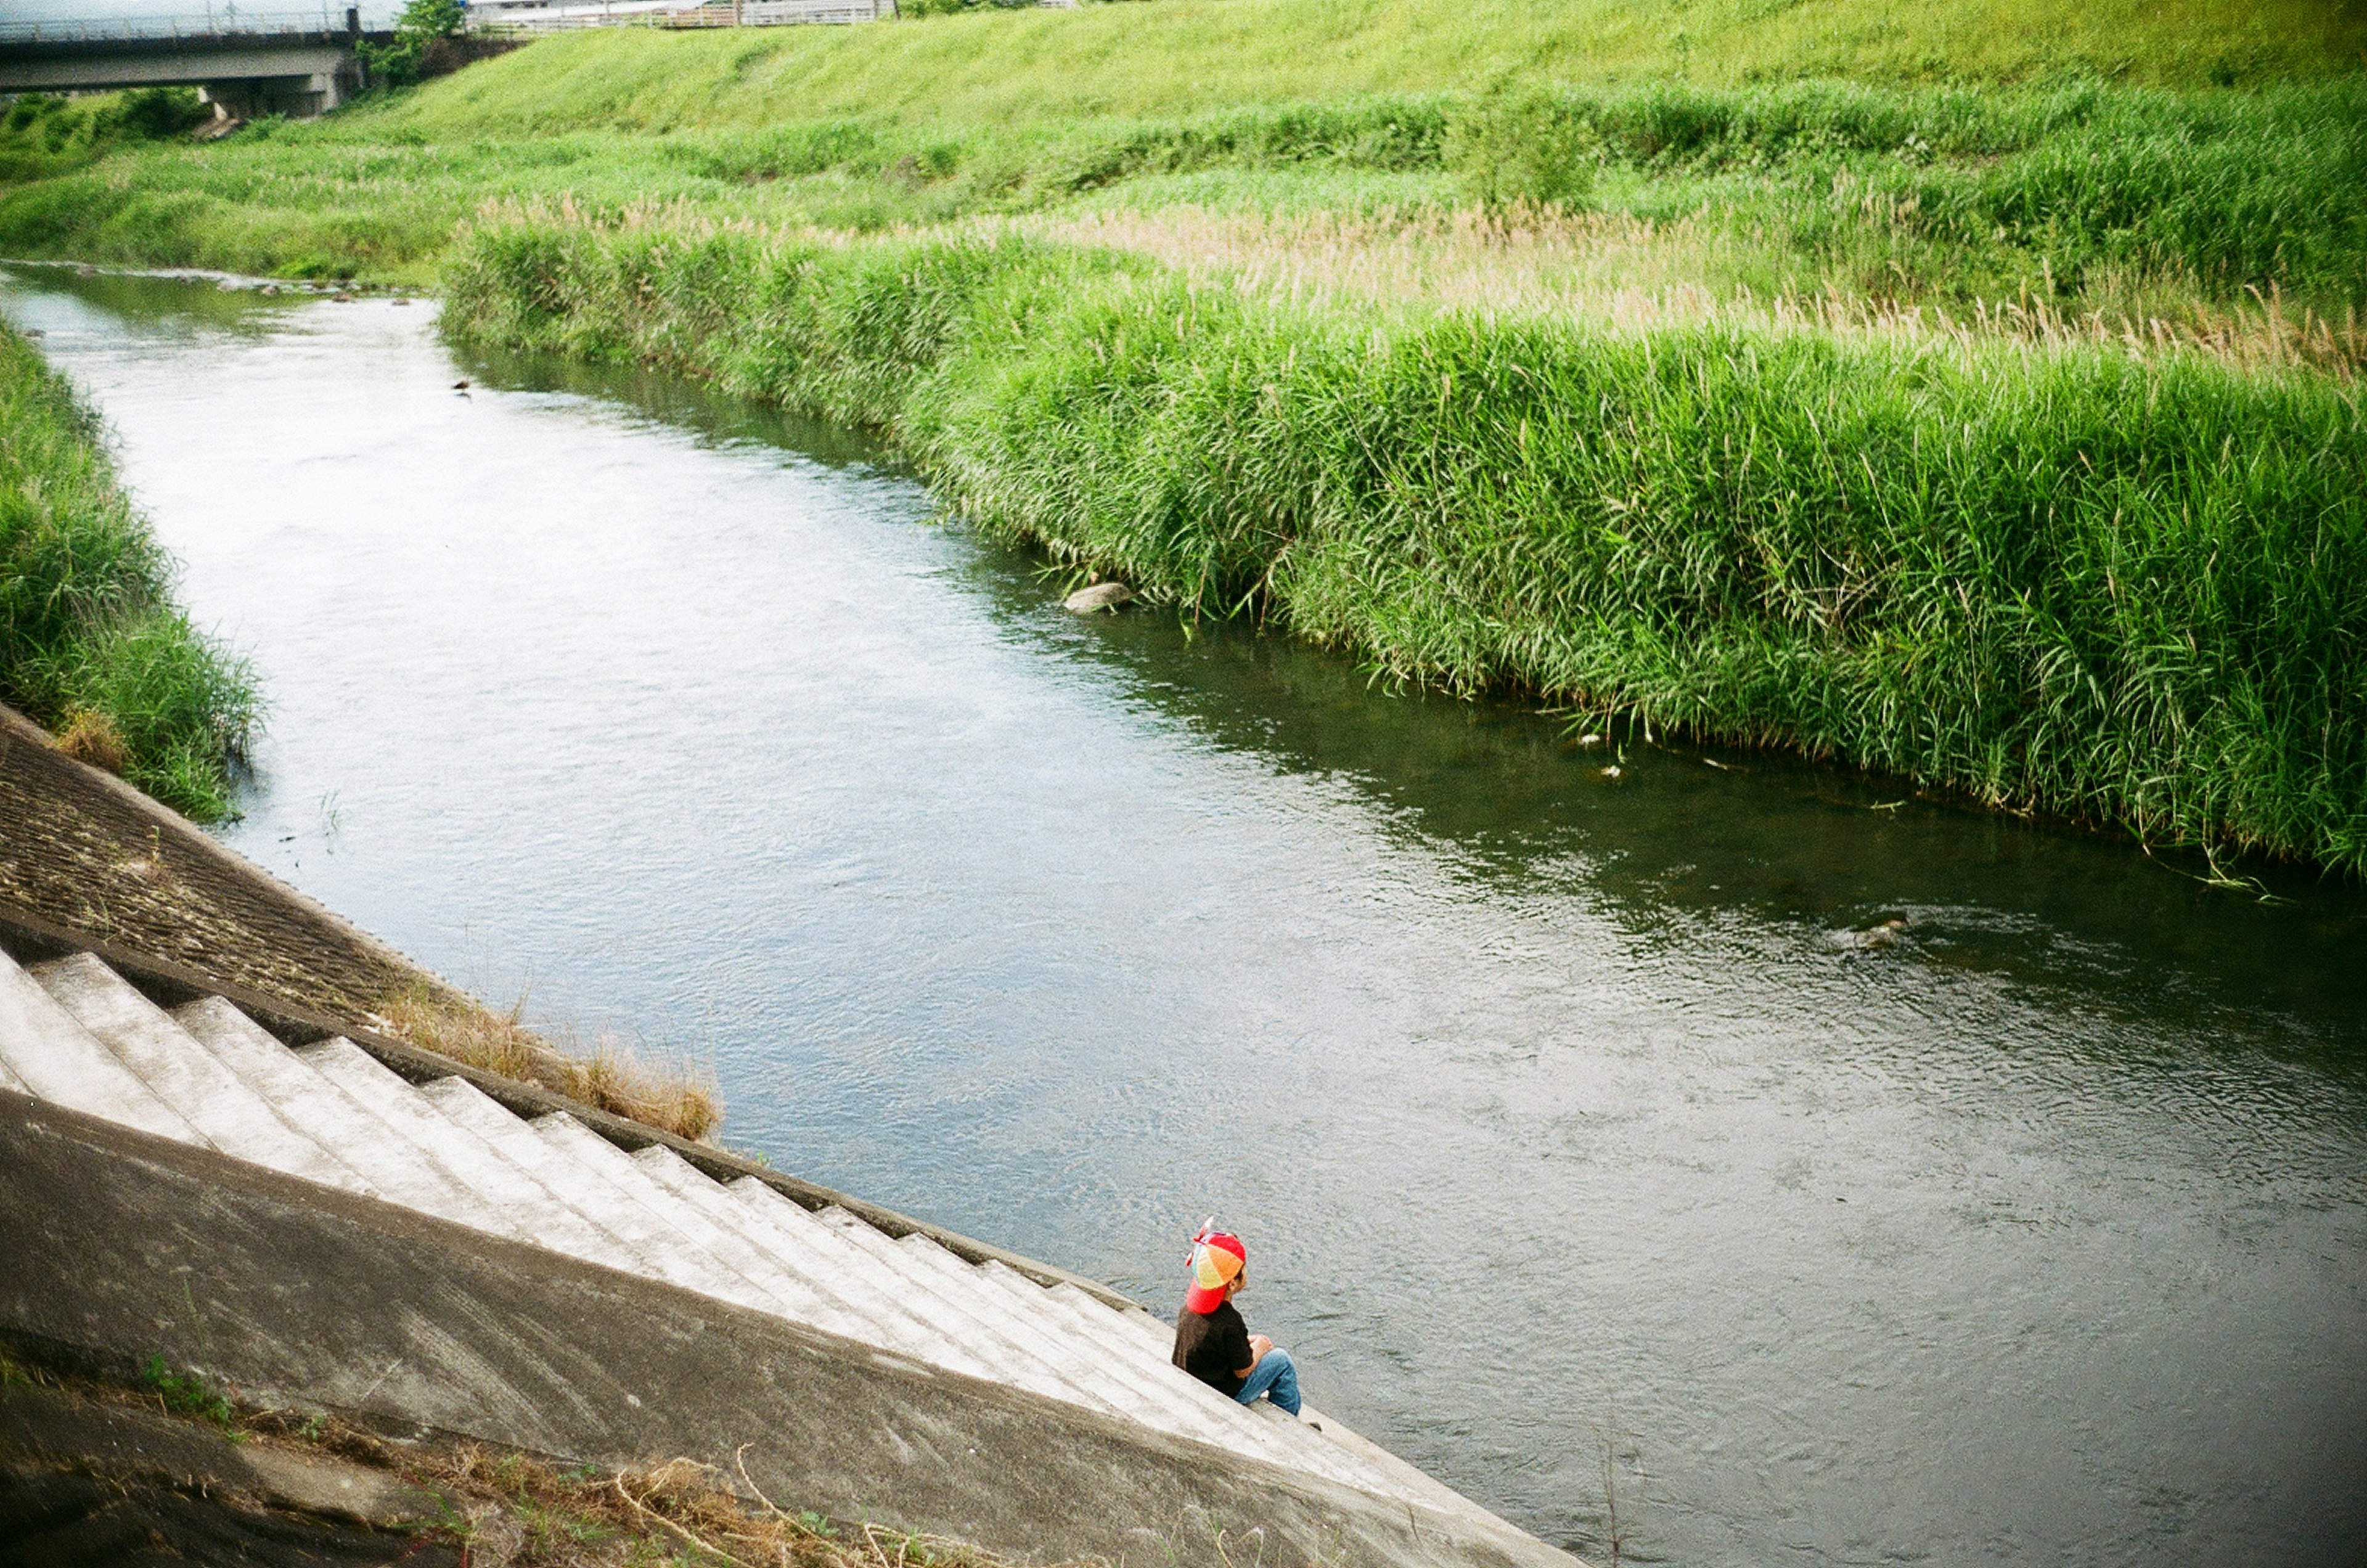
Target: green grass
x: 1925, y: 385
x: 90, y: 640
x: 42, y: 134
x: 2129, y: 202
x: 1178, y: 59
x: 2063, y: 579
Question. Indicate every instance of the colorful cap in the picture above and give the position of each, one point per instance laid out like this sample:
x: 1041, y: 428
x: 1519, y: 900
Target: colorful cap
x: 1218, y: 1259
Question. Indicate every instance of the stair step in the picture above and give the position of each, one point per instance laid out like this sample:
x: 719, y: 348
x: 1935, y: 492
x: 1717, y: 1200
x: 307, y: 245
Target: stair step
x: 55, y: 1057
x: 809, y: 1301
x: 526, y: 1208
x: 336, y: 1119
x: 1389, y: 1474
x: 1028, y: 1356
x: 74, y: 1033
x: 1109, y: 1376
x: 1222, y: 1421
x: 1315, y: 1443
x: 836, y: 1310
x: 638, y: 1240
x: 753, y: 1275
x: 860, y: 1279
x: 1095, y: 1319
x: 188, y: 1077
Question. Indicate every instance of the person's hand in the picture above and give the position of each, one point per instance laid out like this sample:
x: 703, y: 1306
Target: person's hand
x: 1260, y: 1345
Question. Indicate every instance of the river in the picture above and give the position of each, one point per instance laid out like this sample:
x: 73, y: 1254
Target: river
x: 1576, y: 1131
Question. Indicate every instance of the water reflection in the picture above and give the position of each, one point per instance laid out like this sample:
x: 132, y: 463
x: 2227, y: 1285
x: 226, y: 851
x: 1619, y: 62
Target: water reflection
x: 1507, y: 793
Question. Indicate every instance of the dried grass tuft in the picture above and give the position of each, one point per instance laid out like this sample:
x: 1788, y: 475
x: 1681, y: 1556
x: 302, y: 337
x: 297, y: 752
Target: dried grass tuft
x: 678, y: 1095
x: 1522, y: 262
x: 93, y: 737
x: 520, y: 1512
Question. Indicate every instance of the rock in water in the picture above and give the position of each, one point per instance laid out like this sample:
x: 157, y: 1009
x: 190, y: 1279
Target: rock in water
x: 1100, y: 596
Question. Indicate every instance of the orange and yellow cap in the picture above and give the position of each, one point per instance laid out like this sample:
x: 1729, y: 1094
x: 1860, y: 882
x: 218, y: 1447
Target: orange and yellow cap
x: 1218, y: 1259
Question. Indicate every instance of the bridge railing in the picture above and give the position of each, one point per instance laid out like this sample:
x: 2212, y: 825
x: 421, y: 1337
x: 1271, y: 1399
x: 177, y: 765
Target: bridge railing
x: 515, y: 18
x: 222, y: 22
x: 566, y: 15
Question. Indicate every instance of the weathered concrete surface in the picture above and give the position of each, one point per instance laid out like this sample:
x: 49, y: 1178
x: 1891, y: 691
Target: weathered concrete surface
x: 82, y: 850
x: 120, y: 1245
x: 86, y: 1481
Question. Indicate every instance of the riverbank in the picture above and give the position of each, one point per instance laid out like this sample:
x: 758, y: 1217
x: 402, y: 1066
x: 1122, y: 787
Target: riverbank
x: 2065, y: 578
x: 92, y: 643
x: 1966, y: 400
x: 84, y: 858
x: 794, y: 757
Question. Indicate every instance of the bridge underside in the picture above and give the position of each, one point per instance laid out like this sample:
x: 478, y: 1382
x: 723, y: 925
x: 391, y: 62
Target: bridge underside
x: 299, y: 80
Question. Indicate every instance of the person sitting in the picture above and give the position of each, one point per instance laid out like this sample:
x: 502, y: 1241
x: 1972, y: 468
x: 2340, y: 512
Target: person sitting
x: 1214, y: 1345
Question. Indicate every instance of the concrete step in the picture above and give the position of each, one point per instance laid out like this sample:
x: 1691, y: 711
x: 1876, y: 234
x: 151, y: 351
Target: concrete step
x: 787, y: 1233
x: 55, y: 1057
x: 637, y: 1241
x: 1080, y: 1357
x: 1097, y: 1321
x: 1315, y: 1440
x: 841, y: 1304
x: 400, y: 1173
x: 1387, y: 1473
x: 768, y: 1286
x: 1027, y: 1355
x: 186, y: 1075
x: 526, y: 1208
x: 75, y: 1032
x: 811, y: 1300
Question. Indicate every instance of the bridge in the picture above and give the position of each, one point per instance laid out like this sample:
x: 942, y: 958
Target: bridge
x: 294, y: 63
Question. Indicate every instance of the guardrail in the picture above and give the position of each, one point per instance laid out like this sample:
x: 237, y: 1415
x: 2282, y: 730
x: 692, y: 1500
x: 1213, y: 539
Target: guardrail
x: 226, y: 23
x: 523, y: 21
x: 716, y: 13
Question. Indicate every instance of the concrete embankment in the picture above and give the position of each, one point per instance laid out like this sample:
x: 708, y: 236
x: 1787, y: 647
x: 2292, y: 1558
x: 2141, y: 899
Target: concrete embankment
x: 128, y: 1244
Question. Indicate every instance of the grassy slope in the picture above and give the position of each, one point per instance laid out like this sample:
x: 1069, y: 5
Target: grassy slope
x: 870, y: 128
x: 1182, y: 57
x: 89, y: 639
x: 2052, y: 579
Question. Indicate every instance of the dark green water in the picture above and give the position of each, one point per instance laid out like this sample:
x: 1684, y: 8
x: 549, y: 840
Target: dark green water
x: 1566, y: 1114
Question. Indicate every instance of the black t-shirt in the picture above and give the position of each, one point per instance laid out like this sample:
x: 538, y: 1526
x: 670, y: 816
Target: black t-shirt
x: 1214, y: 1347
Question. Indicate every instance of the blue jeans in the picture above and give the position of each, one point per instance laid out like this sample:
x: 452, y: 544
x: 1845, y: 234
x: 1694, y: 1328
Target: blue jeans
x: 1274, y: 1378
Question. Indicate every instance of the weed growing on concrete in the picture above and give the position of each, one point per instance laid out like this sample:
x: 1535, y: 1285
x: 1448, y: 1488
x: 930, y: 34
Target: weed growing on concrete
x: 678, y: 1095
x: 190, y: 1395
x: 510, y: 1509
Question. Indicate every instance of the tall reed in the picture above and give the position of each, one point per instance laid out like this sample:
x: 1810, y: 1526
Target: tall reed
x: 2057, y: 577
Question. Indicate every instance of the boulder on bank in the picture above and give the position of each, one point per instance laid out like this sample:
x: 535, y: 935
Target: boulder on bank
x: 1100, y: 596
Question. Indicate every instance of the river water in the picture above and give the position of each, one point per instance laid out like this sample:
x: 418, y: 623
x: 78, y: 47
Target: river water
x: 1576, y: 1133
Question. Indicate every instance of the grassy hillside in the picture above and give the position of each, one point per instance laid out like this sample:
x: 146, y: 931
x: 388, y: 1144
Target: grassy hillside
x: 1178, y: 58
x: 1967, y: 390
